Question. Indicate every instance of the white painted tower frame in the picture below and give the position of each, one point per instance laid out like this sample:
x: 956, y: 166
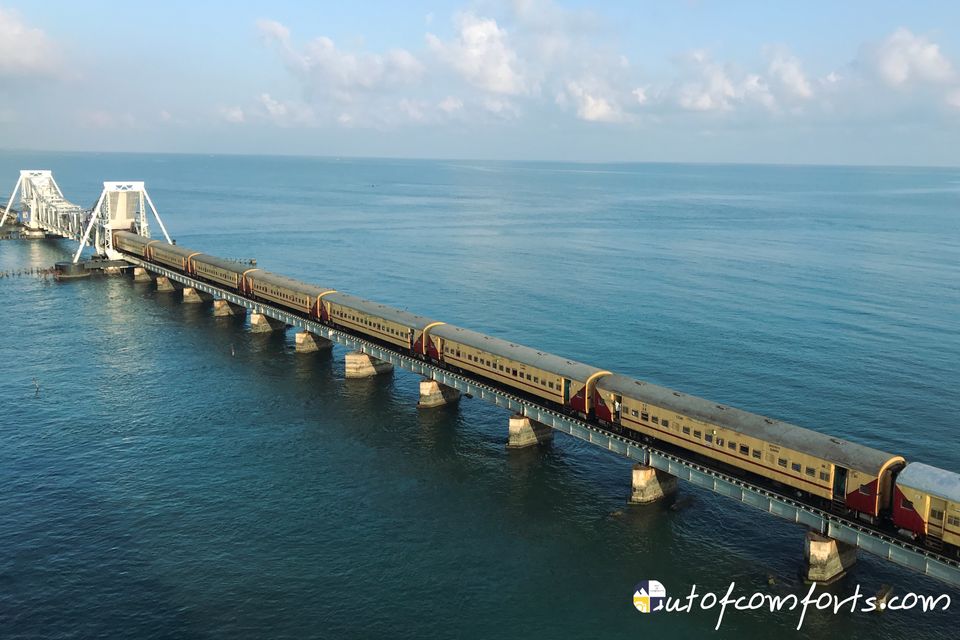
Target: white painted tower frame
x: 122, y: 205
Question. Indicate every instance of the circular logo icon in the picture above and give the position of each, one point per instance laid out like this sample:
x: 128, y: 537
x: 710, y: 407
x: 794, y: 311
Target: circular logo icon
x: 649, y: 596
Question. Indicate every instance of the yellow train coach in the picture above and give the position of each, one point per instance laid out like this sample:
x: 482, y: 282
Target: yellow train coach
x: 564, y: 382
x: 287, y: 292
x: 377, y: 321
x: 844, y: 474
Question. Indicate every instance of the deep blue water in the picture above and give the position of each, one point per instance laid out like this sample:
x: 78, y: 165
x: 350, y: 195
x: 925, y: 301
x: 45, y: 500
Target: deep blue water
x: 178, y: 476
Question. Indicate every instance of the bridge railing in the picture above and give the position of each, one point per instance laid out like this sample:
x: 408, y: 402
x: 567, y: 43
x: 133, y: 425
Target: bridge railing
x: 895, y: 550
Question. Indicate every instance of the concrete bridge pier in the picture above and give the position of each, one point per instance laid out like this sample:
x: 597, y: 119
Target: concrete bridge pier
x: 650, y: 485
x: 192, y: 296
x: 141, y: 275
x: 362, y: 365
x: 434, y: 394
x: 307, y: 342
x: 165, y: 285
x: 259, y: 323
x: 825, y: 559
x: 225, y: 308
x: 525, y: 432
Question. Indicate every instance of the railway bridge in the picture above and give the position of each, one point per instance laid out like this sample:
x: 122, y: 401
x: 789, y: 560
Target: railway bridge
x: 832, y: 540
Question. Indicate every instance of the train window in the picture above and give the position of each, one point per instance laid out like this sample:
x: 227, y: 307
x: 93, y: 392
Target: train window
x: 500, y: 366
x: 655, y: 420
x: 529, y: 377
x: 514, y: 373
x: 811, y: 471
x: 697, y: 435
x: 744, y: 450
x: 536, y: 379
x: 825, y: 476
x: 634, y: 413
x: 866, y: 490
x: 795, y: 466
x: 756, y: 454
x: 708, y: 438
x: 732, y: 445
x: 686, y: 430
x: 550, y: 384
x: 782, y: 462
x: 719, y: 442
x: 666, y: 424
x: 936, y: 514
x: 953, y: 521
x: 906, y: 504
x: 644, y: 416
x: 489, y: 364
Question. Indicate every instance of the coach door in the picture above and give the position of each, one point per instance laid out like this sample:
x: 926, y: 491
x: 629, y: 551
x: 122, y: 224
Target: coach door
x: 839, y: 486
x: 938, y: 509
x: 566, y: 391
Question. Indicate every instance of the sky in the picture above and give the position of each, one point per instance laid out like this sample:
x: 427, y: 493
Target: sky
x: 665, y: 81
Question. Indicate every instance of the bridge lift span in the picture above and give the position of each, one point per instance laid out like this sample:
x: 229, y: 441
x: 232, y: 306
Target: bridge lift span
x: 44, y: 210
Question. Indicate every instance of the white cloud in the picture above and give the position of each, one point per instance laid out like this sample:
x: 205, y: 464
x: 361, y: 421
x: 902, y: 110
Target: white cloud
x: 953, y: 98
x: 450, y: 104
x: 24, y: 50
x: 233, y: 115
x: 103, y: 119
x: 482, y: 55
x: 640, y: 94
x: 592, y: 106
x: 904, y: 57
x: 500, y: 107
x: 329, y: 71
x: 788, y: 71
x: 712, y: 91
x: 414, y: 110
x: 284, y: 113
x: 273, y: 30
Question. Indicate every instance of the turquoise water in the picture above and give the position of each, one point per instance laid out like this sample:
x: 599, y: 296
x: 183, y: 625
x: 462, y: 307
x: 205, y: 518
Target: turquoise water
x: 178, y: 476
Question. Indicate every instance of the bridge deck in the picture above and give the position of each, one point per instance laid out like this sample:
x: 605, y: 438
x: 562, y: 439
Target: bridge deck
x: 853, y: 532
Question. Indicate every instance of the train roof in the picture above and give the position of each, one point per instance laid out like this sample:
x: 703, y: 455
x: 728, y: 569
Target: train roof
x: 230, y: 265
x: 837, y: 450
x: 281, y: 281
x: 386, y: 312
x: 527, y: 355
x: 933, y: 480
x: 136, y: 237
x: 172, y: 248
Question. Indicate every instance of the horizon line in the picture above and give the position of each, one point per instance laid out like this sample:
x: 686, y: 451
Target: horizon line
x: 732, y: 163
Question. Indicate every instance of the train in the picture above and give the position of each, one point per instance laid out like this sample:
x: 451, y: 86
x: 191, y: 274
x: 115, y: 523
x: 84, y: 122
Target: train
x: 910, y: 499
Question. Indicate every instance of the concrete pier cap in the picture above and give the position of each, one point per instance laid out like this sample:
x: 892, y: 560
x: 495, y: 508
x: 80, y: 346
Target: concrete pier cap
x: 193, y: 296
x: 259, y: 323
x: 165, y: 285
x: 225, y: 308
x: 649, y: 484
x: 524, y: 432
x: 362, y: 365
x: 307, y: 342
x: 825, y: 559
x: 434, y: 394
x: 141, y: 275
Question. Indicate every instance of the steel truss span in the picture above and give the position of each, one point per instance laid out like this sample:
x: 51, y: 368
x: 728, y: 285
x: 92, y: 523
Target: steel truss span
x: 853, y: 532
x: 44, y: 211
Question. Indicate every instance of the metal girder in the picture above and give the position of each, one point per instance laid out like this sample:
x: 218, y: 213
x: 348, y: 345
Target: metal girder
x: 895, y: 550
